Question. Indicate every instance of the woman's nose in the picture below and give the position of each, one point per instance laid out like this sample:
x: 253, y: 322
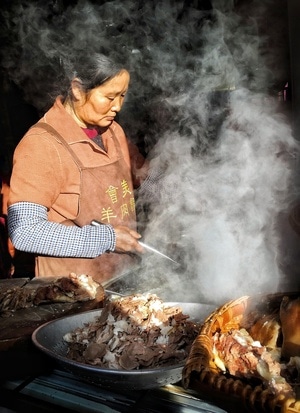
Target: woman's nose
x: 117, y: 104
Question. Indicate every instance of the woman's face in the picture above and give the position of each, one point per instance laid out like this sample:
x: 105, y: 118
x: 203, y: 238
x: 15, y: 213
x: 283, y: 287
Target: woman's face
x: 100, y: 105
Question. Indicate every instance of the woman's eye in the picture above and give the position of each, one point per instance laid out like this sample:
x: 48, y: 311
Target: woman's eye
x: 111, y: 98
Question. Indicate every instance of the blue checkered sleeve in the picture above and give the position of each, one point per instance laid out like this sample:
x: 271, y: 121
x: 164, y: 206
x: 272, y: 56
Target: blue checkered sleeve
x: 30, y: 231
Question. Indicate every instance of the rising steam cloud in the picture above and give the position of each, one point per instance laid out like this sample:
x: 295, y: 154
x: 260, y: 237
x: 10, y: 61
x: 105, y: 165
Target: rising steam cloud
x: 202, y: 105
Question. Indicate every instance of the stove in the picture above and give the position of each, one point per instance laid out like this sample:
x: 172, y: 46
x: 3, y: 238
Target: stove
x: 60, y: 391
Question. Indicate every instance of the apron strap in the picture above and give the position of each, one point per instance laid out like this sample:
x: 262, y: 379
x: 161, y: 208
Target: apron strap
x: 54, y: 132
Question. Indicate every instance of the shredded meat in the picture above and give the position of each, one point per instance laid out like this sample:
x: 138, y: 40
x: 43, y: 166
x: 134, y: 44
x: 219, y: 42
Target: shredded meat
x: 134, y: 332
x: 239, y: 355
x: 42, y: 290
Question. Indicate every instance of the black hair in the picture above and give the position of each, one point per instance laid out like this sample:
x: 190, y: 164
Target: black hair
x: 92, y: 71
x: 96, y: 69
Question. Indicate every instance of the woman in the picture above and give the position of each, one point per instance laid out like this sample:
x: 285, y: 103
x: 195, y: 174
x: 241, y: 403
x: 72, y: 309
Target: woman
x: 73, y: 167
x: 6, y: 264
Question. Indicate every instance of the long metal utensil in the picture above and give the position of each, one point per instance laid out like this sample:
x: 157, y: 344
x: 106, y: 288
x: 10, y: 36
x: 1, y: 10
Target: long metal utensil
x: 147, y: 247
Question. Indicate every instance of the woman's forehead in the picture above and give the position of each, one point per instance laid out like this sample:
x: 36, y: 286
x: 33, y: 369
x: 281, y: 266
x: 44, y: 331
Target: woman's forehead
x: 116, y: 83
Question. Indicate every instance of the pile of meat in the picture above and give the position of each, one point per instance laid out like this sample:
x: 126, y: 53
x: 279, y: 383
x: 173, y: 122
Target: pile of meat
x: 25, y: 293
x: 268, y: 350
x: 134, y: 332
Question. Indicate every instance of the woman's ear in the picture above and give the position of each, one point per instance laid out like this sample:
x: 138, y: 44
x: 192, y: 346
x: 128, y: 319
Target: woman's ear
x: 76, y: 86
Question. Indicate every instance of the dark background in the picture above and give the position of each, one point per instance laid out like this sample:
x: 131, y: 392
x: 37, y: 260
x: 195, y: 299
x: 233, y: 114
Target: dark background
x: 20, y: 109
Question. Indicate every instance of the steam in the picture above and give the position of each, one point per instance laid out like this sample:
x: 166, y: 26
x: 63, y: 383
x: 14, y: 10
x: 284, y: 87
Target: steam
x: 227, y: 201
x: 203, y: 107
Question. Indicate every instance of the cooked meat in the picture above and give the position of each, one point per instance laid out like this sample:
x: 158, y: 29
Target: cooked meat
x: 136, y: 332
x: 290, y: 321
x: 239, y: 355
x: 30, y: 293
x: 266, y: 330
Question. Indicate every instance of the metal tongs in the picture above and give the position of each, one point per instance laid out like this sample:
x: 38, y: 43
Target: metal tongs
x: 146, y: 246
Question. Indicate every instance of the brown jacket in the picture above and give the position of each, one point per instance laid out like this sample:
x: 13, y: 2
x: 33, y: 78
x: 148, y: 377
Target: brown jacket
x: 76, y: 184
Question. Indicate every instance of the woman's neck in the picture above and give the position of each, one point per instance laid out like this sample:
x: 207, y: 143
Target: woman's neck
x: 69, y: 106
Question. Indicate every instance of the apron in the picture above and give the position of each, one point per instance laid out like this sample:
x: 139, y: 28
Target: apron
x: 106, y: 195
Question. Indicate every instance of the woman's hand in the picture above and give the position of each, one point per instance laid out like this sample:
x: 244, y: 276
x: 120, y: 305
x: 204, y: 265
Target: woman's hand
x: 127, y: 240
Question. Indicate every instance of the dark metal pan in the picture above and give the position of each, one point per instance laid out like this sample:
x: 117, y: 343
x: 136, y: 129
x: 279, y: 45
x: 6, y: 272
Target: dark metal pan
x: 49, y: 339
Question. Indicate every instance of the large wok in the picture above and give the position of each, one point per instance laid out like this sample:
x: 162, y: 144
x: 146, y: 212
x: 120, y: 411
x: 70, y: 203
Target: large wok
x: 49, y: 339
